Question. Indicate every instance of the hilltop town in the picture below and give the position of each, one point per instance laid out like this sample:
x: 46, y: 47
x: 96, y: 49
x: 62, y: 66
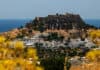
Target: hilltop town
x: 55, y: 37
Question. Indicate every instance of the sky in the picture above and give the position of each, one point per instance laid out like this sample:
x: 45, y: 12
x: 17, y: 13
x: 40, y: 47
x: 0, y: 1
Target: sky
x: 23, y: 9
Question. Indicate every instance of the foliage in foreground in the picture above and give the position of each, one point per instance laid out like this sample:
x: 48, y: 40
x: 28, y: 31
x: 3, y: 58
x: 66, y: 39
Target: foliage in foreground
x: 14, y: 56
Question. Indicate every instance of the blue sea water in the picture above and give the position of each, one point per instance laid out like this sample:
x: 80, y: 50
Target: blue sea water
x: 8, y: 24
x: 94, y: 22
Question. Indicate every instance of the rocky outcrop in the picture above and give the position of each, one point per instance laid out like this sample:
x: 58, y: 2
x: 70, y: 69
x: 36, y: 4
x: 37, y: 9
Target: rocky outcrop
x: 59, y: 21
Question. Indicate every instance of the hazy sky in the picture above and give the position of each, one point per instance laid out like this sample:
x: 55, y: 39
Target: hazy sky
x: 31, y: 8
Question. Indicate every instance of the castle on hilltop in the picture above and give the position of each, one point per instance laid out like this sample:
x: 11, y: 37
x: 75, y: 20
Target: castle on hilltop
x: 59, y: 21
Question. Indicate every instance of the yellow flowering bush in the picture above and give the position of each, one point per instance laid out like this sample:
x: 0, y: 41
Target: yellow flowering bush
x: 95, y: 36
x: 32, y: 53
x: 93, y: 55
x: 10, y: 59
x: 19, y: 45
x: 2, y: 39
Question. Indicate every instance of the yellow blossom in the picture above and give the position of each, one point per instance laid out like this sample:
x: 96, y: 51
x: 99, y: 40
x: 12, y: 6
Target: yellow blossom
x: 2, y: 39
x: 19, y: 45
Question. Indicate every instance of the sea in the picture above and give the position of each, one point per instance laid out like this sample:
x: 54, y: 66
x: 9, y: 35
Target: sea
x: 9, y: 24
x: 94, y: 22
